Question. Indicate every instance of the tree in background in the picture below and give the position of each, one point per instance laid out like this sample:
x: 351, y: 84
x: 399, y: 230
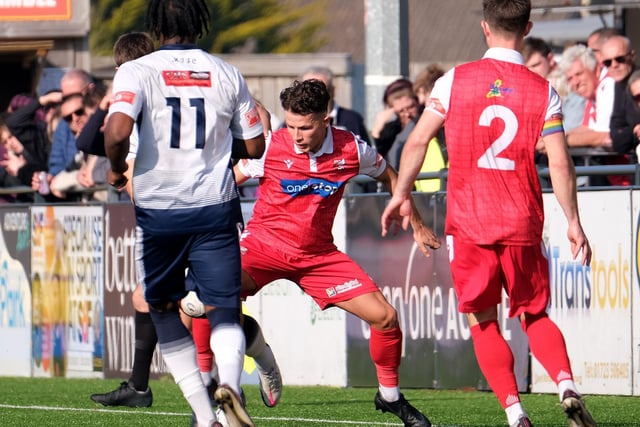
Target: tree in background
x: 238, y: 26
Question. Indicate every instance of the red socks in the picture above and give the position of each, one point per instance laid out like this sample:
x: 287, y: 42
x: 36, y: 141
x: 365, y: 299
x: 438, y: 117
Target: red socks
x: 385, y: 348
x: 496, y: 361
x: 201, y: 332
x: 548, y: 347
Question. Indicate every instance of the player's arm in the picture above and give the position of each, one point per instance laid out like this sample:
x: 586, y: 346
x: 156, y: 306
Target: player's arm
x: 116, y: 144
x: 582, y: 136
x: 240, y: 177
x: 563, y: 180
x: 411, y: 161
x: 423, y: 235
x: 251, y: 148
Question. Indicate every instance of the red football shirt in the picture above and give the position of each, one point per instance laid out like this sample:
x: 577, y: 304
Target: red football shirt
x: 495, y: 110
x: 300, y: 192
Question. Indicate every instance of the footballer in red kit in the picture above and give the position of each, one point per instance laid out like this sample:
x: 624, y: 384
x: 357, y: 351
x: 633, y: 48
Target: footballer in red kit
x: 301, y: 180
x: 494, y: 112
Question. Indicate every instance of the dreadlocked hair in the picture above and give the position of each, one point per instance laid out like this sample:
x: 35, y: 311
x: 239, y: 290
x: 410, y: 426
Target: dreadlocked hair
x: 185, y: 19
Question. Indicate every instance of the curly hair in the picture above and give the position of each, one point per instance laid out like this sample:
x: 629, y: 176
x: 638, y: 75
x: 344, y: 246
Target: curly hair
x: 305, y: 97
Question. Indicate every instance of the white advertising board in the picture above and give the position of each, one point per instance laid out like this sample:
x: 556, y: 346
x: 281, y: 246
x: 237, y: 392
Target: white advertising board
x: 310, y: 345
x: 635, y: 285
x: 592, y: 304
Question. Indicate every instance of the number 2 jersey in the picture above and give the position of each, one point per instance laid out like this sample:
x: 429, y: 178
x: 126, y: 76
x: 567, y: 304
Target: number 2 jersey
x: 299, y: 192
x: 190, y: 106
x: 495, y: 111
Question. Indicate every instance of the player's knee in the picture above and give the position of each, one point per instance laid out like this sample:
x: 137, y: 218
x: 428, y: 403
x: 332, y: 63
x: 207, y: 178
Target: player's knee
x: 139, y: 303
x: 386, y: 319
x: 223, y: 315
x: 163, y: 307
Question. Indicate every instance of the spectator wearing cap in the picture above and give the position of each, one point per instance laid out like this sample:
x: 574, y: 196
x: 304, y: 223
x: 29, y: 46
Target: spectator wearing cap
x: 400, y: 108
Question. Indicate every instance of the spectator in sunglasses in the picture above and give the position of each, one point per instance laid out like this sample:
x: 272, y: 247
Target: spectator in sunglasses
x: 76, y: 110
x: 63, y: 147
x: 625, y: 118
x: 618, y: 57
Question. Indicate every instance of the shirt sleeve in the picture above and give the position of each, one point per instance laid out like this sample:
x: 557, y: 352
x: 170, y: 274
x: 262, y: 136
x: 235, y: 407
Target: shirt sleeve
x: 441, y: 95
x: 254, y: 168
x: 127, y: 91
x: 245, y: 123
x: 371, y: 162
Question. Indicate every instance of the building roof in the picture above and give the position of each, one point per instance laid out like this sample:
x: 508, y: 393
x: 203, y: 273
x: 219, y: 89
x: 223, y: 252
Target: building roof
x: 449, y: 31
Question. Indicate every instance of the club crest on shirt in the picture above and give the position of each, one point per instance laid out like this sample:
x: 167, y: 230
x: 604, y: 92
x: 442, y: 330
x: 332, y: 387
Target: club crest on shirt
x: 496, y: 89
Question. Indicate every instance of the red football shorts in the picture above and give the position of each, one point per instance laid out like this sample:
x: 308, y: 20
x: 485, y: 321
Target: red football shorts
x: 480, y: 272
x: 327, y: 278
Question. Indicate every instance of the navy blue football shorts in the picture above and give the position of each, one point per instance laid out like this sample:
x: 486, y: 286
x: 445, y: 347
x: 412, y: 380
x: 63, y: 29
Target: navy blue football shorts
x: 213, y: 260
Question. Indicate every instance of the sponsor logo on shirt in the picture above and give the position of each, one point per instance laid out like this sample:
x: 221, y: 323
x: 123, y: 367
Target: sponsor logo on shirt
x: 124, y: 96
x: 288, y: 163
x: 311, y: 186
x: 496, y: 89
x: 186, y: 78
x: 345, y: 287
x: 252, y: 117
x: 339, y: 164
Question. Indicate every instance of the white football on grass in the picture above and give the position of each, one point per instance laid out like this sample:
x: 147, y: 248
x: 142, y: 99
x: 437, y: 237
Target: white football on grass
x: 192, y: 306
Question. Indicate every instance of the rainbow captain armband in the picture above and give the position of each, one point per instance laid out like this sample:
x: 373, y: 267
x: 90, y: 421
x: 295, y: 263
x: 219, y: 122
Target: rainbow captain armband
x: 551, y: 126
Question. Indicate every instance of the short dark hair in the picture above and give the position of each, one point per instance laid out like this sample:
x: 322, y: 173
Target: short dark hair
x: 507, y: 16
x: 533, y: 45
x: 396, y: 87
x: 305, y: 97
x: 186, y: 19
x: 130, y: 46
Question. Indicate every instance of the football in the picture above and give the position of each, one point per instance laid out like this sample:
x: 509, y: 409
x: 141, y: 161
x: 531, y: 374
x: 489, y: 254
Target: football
x: 192, y: 306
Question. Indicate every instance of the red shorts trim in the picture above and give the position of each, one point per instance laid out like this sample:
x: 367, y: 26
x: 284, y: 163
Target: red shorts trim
x: 480, y: 272
x: 328, y: 278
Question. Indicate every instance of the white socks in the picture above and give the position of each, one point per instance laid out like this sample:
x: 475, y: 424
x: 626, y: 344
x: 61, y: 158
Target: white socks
x: 390, y: 394
x: 229, y: 344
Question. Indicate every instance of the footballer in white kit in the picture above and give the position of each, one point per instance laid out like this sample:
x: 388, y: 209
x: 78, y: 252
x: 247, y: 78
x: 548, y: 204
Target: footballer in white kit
x: 193, y: 112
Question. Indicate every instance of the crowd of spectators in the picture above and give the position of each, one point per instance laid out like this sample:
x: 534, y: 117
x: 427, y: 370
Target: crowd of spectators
x: 40, y: 158
x: 46, y: 155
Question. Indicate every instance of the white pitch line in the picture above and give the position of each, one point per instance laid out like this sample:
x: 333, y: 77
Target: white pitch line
x: 179, y: 414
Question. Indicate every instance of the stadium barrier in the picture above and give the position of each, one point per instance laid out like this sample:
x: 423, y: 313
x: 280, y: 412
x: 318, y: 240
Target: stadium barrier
x: 67, y: 272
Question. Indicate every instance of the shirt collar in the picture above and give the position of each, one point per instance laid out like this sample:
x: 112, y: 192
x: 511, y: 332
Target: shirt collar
x: 504, y: 54
x: 325, y: 148
x: 178, y: 47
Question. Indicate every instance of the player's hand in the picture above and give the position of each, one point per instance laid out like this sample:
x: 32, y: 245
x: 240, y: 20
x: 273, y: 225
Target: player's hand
x: 579, y: 243
x: 396, y: 214
x: 425, y: 238
x: 117, y: 180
